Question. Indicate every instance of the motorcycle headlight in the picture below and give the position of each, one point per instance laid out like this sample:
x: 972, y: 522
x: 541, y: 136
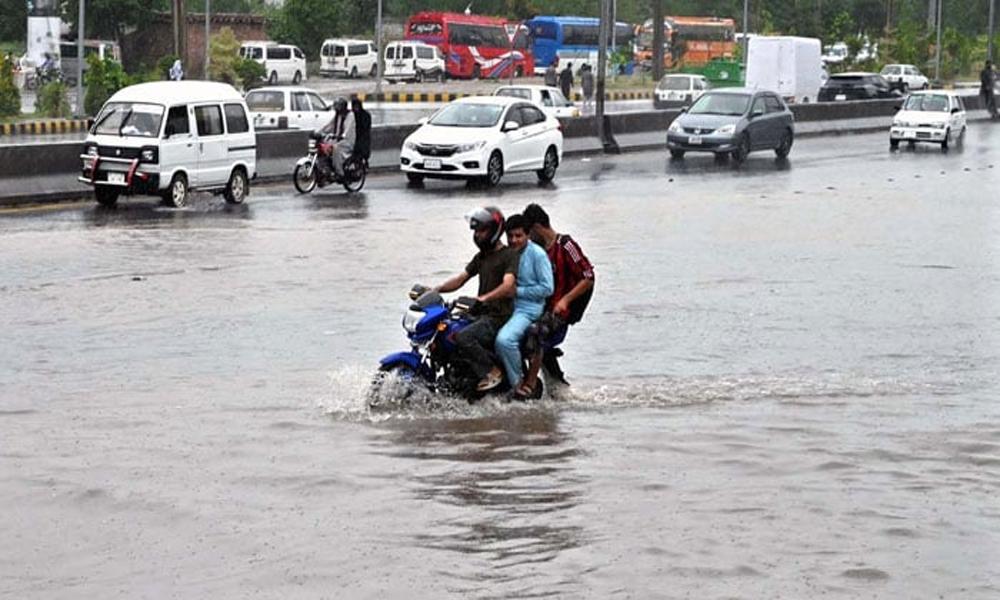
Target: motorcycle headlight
x: 675, y: 126
x: 410, y: 320
x: 463, y: 148
x: 726, y: 130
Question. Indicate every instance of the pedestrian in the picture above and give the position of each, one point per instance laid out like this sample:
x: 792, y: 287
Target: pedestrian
x: 566, y: 80
x: 551, y: 77
x: 987, y: 79
x: 587, y: 85
x: 177, y: 71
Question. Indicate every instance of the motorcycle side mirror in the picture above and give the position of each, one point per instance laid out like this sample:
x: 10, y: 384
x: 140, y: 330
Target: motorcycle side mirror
x: 417, y: 291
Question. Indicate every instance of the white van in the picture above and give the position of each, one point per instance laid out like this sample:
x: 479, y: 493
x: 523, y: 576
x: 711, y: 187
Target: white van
x: 282, y: 63
x: 350, y: 58
x: 413, y: 61
x: 790, y: 66
x: 168, y: 137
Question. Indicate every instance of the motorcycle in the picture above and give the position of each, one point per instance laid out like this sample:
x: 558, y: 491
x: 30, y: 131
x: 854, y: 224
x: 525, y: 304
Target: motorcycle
x: 433, y: 365
x: 314, y: 169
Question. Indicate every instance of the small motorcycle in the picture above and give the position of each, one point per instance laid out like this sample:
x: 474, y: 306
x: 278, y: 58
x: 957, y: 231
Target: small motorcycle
x: 314, y: 170
x: 433, y: 365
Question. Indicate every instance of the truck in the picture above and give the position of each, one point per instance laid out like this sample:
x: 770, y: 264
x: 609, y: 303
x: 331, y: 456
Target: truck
x: 790, y: 66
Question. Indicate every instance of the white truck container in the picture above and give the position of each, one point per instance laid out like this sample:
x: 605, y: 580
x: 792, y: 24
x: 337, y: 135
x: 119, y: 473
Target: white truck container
x: 790, y: 66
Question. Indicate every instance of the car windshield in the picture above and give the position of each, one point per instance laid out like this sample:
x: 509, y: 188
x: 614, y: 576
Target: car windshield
x: 266, y: 101
x: 674, y: 83
x: 129, y: 119
x: 468, y: 115
x: 927, y: 103
x: 721, y: 104
x: 514, y: 93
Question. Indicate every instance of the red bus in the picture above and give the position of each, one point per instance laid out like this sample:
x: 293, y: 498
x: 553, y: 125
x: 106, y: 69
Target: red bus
x: 474, y: 46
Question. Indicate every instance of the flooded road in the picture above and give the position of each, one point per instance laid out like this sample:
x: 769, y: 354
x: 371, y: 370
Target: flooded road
x: 785, y: 386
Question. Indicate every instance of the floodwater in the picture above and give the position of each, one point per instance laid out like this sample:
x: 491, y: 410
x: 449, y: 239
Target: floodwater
x: 785, y: 387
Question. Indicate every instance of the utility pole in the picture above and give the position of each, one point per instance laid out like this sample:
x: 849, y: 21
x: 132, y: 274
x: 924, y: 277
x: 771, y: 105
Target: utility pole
x: 208, y: 22
x: 603, y: 126
x: 657, y: 40
x: 381, y: 52
x: 937, y: 46
x: 180, y: 30
x: 746, y: 40
x: 989, y: 38
x: 79, y: 58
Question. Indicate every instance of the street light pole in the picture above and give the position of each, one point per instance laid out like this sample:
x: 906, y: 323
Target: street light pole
x: 937, y: 46
x: 79, y: 58
x: 989, y: 39
x: 746, y: 41
x: 208, y: 13
x: 604, y: 133
x: 381, y: 52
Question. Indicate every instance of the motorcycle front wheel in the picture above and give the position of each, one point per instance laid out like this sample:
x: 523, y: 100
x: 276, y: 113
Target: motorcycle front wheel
x: 304, y: 178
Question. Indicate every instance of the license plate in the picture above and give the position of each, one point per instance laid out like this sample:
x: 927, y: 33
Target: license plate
x: 840, y: 97
x: 432, y: 163
x: 116, y: 178
x: 695, y: 140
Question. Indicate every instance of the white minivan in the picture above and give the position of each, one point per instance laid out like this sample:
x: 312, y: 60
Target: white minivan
x: 413, y: 61
x: 281, y: 62
x: 350, y: 58
x: 166, y: 138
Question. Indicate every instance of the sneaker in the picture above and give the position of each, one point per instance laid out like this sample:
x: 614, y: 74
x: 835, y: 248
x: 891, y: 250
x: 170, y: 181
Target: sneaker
x: 492, y: 379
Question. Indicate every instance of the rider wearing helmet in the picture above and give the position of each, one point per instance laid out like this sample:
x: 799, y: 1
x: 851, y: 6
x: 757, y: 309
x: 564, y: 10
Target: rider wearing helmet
x: 496, y: 267
x: 344, y: 132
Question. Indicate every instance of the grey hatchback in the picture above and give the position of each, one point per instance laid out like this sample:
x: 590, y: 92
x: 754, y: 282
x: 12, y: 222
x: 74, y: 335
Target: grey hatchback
x: 733, y: 121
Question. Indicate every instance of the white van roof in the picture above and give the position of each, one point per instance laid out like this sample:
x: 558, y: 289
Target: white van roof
x: 345, y: 41
x: 174, y: 92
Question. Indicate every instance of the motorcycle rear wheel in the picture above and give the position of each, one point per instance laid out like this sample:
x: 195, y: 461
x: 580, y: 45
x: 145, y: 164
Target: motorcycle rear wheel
x: 354, y: 178
x: 304, y: 178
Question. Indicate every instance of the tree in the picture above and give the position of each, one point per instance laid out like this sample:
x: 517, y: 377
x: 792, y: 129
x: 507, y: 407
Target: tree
x: 223, y: 51
x: 15, y: 16
x: 306, y: 23
x: 10, y: 97
x: 52, y: 101
x: 110, y: 19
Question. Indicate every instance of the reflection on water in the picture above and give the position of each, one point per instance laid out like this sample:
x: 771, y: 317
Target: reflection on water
x: 502, y: 487
x: 150, y: 213
x: 334, y: 204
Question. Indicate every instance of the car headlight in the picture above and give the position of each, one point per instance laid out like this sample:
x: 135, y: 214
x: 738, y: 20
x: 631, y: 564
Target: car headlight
x: 463, y: 148
x: 149, y: 155
x: 726, y: 130
x: 939, y: 125
x: 91, y: 150
x: 897, y: 123
x: 675, y: 126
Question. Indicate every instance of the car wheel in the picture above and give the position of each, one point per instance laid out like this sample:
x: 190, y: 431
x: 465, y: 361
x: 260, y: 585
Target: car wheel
x: 415, y: 178
x: 237, y: 188
x: 548, y: 171
x: 419, y: 77
x: 961, y: 137
x: 374, y: 72
x: 176, y: 194
x: 106, y: 196
x: 519, y: 72
x: 677, y: 154
x: 944, y: 142
x: 742, y: 149
x: 905, y: 87
x: 297, y: 79
x: 925, y: 86
x: 354, y: 72
x: 893, y: 144
x: 785, y: 147
x: 476, y: 72
x: 911, y: 144
x: 494, y: 169
x: 273, y: 79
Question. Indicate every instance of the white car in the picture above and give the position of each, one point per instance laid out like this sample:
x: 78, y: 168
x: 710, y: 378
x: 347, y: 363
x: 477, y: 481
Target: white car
x: 350, y: 58
x: 483, y: 137
x: 905, y: 77
x: 168, y: 137
x: 282, y: 63
x: 835, y: 53
x: 677, y: 90
x: 550, y: 99
x: 411, y: 60
x: 935, y: 116
x: 288, y: 108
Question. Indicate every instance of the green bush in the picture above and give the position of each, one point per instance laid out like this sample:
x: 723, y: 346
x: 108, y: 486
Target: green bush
x: 250, y: 72
x: 103, y: 79
x: 224, y: 54
x: 52, y: 101
x: 164, y: 65
x: 10, y: 96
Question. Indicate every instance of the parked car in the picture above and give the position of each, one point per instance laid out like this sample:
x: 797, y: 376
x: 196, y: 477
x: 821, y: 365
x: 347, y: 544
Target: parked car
x: 169, y: 137
x: 676, y: 90
x: 549, y: 99
x: 348, y: 58
x: 288, y: 108
x: 733, y: 121
x: 856, y: 86
x: 905, y: 77
x: 69, y: 62
x: 483, y: 137
x: 281, y: 62
x: 937, y: 117
x: 413, y: 61
x: 835, y: 53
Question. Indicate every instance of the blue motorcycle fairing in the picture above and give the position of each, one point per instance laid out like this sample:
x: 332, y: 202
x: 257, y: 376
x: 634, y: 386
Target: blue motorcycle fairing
x: 409, y: 359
